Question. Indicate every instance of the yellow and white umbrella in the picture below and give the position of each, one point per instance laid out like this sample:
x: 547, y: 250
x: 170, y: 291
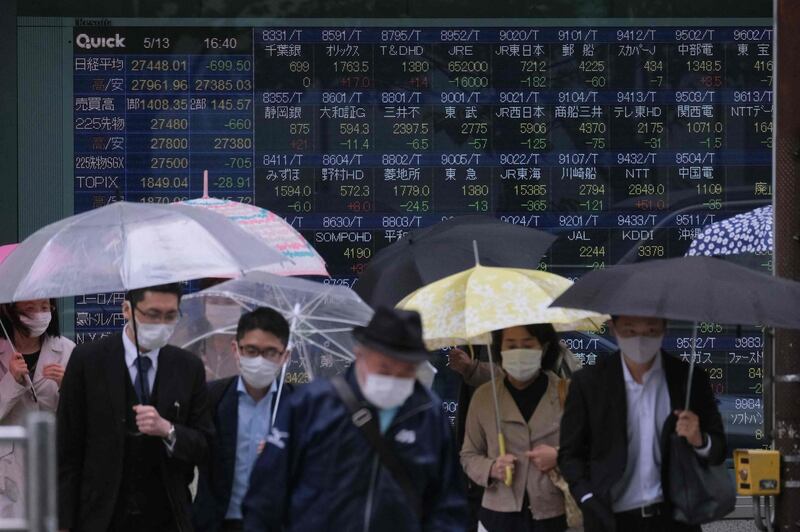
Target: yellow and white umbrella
x: 466, y: 307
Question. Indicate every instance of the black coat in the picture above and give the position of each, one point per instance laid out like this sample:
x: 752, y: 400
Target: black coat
x: 215, y: 481
x: 318, y: 473
x: 92, y: 431
x: 594, y: 439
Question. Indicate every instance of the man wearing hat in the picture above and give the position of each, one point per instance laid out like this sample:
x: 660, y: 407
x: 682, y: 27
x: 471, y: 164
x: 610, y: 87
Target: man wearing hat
x: 369, y: 451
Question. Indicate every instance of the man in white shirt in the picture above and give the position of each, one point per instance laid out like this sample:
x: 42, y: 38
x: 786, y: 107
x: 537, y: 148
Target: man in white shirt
x: 616, y: 426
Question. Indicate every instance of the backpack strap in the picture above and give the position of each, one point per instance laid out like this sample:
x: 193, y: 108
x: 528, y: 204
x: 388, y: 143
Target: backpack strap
x: 365, y: 422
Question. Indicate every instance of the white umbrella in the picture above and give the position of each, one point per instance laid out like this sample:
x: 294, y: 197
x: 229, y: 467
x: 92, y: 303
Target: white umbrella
x: 322, y: 317
x: 124, y: 246
x: 129, y: 245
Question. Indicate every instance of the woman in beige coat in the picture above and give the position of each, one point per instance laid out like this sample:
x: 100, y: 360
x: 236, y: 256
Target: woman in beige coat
x: 530, y: 414
x: 41, y: 356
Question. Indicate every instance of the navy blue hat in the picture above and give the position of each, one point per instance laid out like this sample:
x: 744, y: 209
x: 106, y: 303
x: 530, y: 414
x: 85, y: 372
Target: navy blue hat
x: 396, y: 333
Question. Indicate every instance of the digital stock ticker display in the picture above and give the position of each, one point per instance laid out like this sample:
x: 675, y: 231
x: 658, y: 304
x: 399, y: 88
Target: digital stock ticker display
x: 623, y: 140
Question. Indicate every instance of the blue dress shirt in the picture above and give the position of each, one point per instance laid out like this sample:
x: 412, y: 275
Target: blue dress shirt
x: 252, y: 429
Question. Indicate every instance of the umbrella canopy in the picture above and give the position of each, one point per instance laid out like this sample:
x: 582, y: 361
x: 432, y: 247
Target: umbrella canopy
x: 749, y: 232
x: 468, y: 306
x: 432, y: 253
x: 123, y: 246
x: 272, y: 229
x: 322, y: 317
x: 6, y: 250
x: 688, y: 288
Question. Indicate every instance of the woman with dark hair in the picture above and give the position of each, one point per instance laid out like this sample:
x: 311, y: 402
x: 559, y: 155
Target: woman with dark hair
x: 530, y: 416
x: 37, y: 355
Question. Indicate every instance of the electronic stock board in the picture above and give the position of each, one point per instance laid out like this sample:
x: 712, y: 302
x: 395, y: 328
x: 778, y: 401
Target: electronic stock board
x: 622, y: 139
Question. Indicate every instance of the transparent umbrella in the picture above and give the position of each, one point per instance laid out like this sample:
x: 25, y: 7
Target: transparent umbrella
x: 129, y: 245
x: 124, y: 246
x: 321, y: 316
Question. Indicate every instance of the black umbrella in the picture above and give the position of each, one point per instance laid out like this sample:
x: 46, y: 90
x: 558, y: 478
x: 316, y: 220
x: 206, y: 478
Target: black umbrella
x: 434, y: 252
x: 688, y: 288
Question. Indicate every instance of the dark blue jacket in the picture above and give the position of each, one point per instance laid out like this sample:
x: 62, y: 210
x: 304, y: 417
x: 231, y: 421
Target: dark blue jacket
x: 215, y: 480
x: 318, y: 472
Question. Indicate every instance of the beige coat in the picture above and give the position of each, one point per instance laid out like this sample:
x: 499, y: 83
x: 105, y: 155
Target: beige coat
x: 481, y: 448
x: 16, y: 402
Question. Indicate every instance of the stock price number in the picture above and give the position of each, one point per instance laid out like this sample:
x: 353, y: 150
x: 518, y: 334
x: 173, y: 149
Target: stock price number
x: 164, y: 182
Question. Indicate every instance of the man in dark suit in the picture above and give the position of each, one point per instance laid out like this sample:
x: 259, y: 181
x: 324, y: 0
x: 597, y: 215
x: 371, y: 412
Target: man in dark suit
x: 243, y: 409
x: 130, y: 429
x: 617, y: 421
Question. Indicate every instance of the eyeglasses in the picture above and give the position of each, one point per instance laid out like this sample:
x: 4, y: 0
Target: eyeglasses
x: 251, y: 351
x: 154, y: 316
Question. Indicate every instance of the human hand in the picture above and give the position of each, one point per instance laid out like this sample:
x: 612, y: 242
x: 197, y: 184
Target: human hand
x: 54, y: 372
x: 459, y: 361
x: 688, y: 426
x: 18, y: 368
x: 498, y: 471
x: 544, y: 457
x: 150, y: 422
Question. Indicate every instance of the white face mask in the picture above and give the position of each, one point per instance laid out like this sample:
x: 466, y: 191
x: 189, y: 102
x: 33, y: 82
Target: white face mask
x: 258, y: 372
x: 640, y: 349
x: 37, y: 323
x: 426, y: 373
x: 386, y: 392
x: 220, y: 315
x: 153, y: 335
x: 522, y: 364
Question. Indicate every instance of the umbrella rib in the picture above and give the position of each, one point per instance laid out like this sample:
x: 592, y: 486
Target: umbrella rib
x: 318, y: 330
x: 231, y: 329
x: 314, y: 304
x: 304, y: 361
x: 324, y: 335
x: 330, y: 351
x: 335, y: 320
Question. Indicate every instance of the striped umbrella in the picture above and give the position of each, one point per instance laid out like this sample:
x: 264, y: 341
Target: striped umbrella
x: 274, y: 230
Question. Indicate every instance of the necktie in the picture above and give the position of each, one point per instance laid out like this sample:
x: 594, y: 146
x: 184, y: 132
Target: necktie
x: 142, y: 382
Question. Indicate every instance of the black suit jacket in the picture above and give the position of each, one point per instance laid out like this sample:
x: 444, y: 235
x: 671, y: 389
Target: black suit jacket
x: 215, y: 481
x: 594, y: 439
x: 92, y: 431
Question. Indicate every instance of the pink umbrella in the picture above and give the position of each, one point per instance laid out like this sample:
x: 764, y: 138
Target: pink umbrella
x: 271, y: 228
x: 6, y: 250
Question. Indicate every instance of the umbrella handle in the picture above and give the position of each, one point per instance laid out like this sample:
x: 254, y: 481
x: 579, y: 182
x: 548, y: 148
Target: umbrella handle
x: 501, y: 441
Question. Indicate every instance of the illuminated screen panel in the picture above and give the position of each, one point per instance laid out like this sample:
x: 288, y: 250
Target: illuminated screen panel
x: 624, y: 140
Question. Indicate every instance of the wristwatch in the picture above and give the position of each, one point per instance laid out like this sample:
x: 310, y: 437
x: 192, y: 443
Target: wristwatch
x: 171, y: 435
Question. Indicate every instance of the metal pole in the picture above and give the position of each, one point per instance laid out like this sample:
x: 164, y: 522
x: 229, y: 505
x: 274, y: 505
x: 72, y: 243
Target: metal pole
x: 41, y: 477
x: 786, y: 195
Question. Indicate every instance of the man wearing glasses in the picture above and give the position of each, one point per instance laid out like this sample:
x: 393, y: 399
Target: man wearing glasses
x: 243, y: 411
x: 133, y: 422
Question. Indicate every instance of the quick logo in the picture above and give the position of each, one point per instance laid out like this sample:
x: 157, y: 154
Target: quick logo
x: 91, y: 43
